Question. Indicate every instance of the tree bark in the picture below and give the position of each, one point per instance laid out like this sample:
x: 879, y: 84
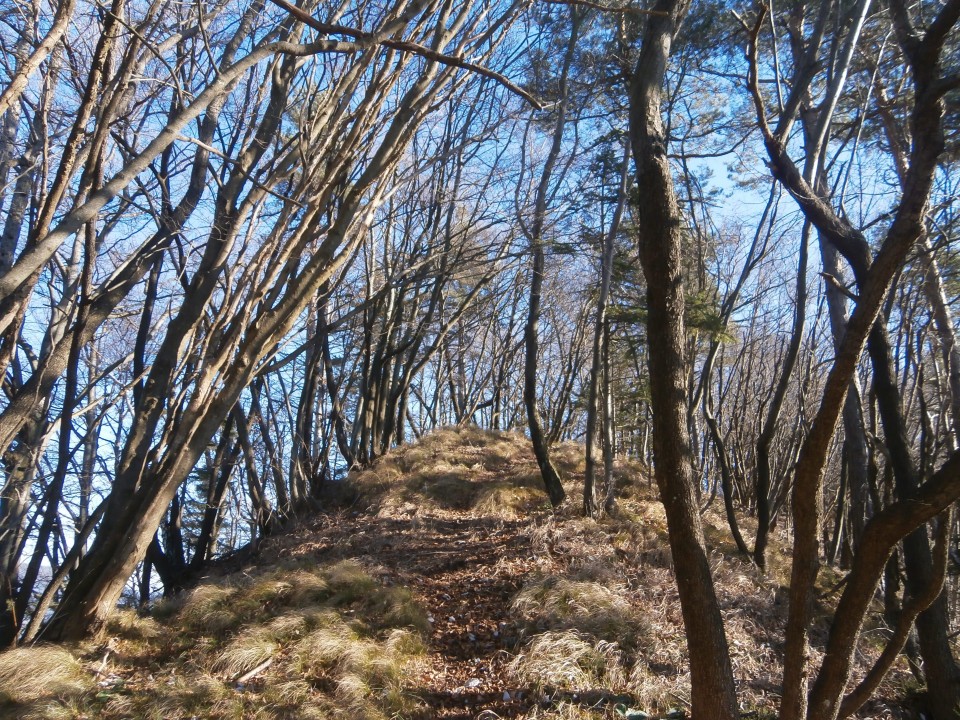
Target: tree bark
x: 600, y: 348
x: 535, y: 236
x: 713, y: 692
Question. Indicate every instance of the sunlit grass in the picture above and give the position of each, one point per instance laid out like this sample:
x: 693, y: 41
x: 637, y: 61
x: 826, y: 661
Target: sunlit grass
x: 571, y: 661
x: 31, y: 674
x: 588, y: 607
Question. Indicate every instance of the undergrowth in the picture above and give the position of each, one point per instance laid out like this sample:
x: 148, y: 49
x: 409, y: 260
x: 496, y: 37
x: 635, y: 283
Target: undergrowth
x: 595, y: 610
x: 292, y: 642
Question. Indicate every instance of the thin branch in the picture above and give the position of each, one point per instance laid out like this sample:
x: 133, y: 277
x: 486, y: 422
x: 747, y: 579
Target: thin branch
x: 843, y: 289
x: 231, y: 161
x: 846, y: 238
x: 627, y: 9
x: 408, y: 47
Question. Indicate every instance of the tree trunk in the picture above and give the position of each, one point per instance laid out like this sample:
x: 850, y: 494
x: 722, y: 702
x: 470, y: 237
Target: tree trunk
x: 713, y: 692
x: 541, y: 449
x: 776, y: 405
x: 600, y: 348
x: 551, y: 478
x: 940, y: 668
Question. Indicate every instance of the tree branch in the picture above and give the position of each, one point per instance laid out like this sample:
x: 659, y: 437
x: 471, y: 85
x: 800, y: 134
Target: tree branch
x: 627, y: 9
x: 860, y: 694
x: 407, y: 46
x: 846, y: 238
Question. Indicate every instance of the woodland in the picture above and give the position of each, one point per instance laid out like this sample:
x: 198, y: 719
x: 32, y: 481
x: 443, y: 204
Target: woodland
x: 249, y: 249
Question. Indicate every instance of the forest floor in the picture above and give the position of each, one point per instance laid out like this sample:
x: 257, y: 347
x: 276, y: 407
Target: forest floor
x: 438, y: 584
x: 464, y: 571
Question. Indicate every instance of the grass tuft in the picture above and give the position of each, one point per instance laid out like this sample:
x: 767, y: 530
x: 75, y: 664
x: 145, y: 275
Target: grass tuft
x: 365, y: 674
x: 587, y: 607
x: 506, y: 500
x: 31, y: 674
x: 130, y: 625
x: 308, y: 588
x: 245, y: 652
x: 209, y: 608
x: 349, y: 582
x: 571, y: 661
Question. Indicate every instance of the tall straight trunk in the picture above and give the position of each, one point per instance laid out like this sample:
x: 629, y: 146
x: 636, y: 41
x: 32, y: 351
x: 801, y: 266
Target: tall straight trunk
x: 541, y: 448
x: 660, y: 227
x: 600, y: 346
x: 609, y: 446
x: 776, y: 405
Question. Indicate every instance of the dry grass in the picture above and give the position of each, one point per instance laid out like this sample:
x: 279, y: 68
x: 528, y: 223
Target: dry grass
x: 507, y: 501
x: 32, y: 674
x: 569, y: 660
x: 560, y: 603
x: 347, y: 581
x: 129, y: 624
x: 210, y: 608
x: 489, y: 474
x: 365, y: 675
x: 308, y: 587
x: 338, y: 643
x: 564, y: 711
x: 180, y: 697
x: 599, y: 611
x: 244, y: 653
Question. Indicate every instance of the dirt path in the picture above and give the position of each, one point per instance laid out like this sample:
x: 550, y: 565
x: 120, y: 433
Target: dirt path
x: 465, y: 571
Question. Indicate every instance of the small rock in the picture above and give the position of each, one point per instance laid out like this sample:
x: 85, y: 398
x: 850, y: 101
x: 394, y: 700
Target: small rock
x: 506, y: 696
x: 474, y: 682
x: 473, y: 638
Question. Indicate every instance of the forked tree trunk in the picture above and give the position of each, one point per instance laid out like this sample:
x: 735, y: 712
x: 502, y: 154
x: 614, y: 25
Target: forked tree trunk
x: 875, y: 276
x: 940, y: 667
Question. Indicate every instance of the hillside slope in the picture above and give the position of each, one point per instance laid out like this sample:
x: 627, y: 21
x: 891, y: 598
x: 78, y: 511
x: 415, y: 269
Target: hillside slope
x: 443, y: 587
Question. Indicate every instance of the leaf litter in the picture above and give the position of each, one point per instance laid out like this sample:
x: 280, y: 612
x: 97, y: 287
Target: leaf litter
x: 440, y: 584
